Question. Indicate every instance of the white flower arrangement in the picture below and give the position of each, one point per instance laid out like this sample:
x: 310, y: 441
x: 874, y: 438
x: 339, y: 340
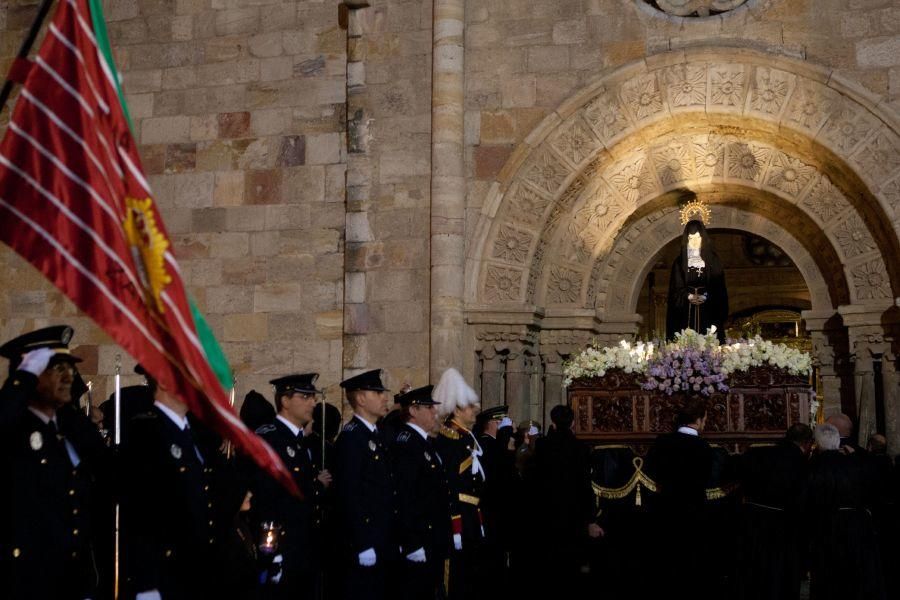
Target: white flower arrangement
x: 741, y: 355
x: 757, y: 352
x: 596, y: 361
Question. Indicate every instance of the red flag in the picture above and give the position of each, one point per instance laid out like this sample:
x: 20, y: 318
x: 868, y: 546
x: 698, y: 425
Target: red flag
x: 74, y: 203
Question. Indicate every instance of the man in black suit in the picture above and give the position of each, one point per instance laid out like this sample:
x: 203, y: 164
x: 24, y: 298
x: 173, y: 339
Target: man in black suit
x: 563, y: 482
x: 167, y: 510
x: 681, y: 463
x: 364, y: 491
x: 770, y: 560
x: 49, y: 456
x: 295, y: 398
x: 423, y: 500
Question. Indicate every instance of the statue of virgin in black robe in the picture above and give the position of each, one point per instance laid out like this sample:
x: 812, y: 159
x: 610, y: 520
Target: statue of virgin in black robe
x: 697, y: 271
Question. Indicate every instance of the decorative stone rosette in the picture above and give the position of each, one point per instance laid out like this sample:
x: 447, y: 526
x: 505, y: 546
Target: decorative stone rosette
x: 696, y: 8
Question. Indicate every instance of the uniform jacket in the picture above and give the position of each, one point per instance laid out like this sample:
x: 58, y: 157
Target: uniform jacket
x: 364, y: 491
x: 46, y: 505
x: 456, y: 445
x: 167, y: 510
x: 271, y: 502
x: 423, y: 499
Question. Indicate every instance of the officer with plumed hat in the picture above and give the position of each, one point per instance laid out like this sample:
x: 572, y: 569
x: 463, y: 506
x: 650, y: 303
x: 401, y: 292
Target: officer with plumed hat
x: 462, y: 455
x: 364, y: 490
x: 50, y: 454
x: 423, y: 498
x: 295, y: 399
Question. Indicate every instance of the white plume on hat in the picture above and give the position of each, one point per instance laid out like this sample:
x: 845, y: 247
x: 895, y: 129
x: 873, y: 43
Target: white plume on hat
x: 452, y: 391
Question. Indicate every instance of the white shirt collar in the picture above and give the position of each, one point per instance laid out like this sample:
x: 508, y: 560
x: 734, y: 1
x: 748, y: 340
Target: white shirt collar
x: 42, y: 416
x: 294, y: 429
x: 419, y: 430
x: 689, y: 431
x: 180, y: 422
x: 371, y: 426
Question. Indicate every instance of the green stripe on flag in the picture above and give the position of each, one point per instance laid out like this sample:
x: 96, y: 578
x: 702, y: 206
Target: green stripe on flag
x: 102, y: 37
x: 214, y: 354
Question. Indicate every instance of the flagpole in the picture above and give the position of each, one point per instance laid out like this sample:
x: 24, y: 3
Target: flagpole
x: 117, y: 440
x: 323, y: 430
x: 25, y: 48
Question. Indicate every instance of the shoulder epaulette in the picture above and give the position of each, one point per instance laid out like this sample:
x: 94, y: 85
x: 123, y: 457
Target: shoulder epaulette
x: 351, y: 426
x: 449, y: 432
x: 144, y: 416
x: 403, y: 437
x: 265, y: 429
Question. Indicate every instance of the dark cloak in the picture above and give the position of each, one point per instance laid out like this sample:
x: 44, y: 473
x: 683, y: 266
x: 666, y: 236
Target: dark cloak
x: 683, y: 280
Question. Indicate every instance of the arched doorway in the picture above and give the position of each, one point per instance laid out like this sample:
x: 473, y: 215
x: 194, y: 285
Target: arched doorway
x: 780, y: 149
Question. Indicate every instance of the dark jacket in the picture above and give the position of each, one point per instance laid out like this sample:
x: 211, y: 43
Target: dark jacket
x: 271, y: 502
x: 46, y: 506
x: 364, y: 492
x: 167, y: 509
x: 423, y: 500
x: 681, y: 464
x: 455, y: 444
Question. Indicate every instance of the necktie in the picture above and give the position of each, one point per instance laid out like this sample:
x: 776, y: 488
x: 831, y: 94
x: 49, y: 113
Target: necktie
x: 189, y: 442
x: 63, y: 444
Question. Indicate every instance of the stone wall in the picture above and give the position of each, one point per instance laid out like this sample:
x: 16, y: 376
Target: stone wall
x: 524, y: 58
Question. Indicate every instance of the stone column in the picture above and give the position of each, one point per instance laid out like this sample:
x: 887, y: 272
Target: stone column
x: 866, y: 334
x: 491, y: 378
x: 824, y: 327
x: 891, y: 378
x: 518, y: 385
x: 448, y: 187
x: 553, y: 387
x: 357, y: 230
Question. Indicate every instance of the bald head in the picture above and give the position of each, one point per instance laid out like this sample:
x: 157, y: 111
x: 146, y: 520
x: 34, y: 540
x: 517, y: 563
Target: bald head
x: 877, y: 444
x: 843, y: 424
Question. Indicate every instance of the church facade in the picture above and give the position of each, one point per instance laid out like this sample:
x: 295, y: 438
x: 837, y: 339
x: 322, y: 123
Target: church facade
x: 418, y: 184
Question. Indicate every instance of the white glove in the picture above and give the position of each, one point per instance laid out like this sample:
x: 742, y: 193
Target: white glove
x: 36, y: 361
x: 417, y: 557
x: 277, y: 571
x: 367, y: 558
x: 457, y: 541
x: 148, y: 595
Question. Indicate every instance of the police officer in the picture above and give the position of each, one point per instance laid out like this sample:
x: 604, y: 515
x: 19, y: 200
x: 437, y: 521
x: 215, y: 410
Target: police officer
x: 496, y: 500
x: 461, y: 454
x: 295, y: 398
x: 167, y: 511
x: 423, y: 501
x: 49, y: 453
x: 364, y: 491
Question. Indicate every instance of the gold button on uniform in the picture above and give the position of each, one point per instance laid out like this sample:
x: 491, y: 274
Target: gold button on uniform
x: 71, y: 492
x: 74, y: 532
x: 168, y: 553
x: 16, y: 552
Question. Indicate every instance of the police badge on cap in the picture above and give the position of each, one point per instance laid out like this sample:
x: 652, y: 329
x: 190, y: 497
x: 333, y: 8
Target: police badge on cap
x: 56, y: 338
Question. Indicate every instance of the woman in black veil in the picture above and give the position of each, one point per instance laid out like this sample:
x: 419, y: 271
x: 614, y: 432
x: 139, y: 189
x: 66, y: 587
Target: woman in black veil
x: 697, y: 285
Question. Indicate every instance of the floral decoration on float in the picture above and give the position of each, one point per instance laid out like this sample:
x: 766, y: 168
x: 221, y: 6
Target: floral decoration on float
x: 691, y: 363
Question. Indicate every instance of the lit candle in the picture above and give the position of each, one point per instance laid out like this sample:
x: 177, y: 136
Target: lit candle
x: 269, y: 544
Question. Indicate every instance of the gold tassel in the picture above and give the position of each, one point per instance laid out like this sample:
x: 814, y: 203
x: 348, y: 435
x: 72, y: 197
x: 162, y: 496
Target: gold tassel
x: 637, y: 495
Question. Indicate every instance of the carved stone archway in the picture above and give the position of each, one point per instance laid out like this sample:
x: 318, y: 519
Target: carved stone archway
x: 806, y: 151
